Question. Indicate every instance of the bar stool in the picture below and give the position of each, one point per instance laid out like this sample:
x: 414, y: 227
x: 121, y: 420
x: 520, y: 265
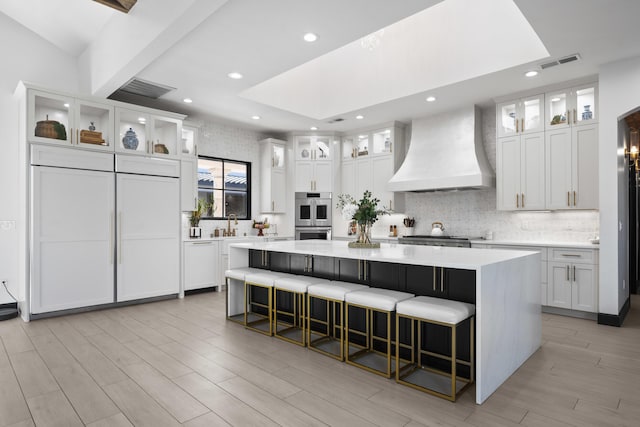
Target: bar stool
x: 237, y: 274
x: 290, y: 291
x: 258, y: 287
x: 445, y: 383
x: 328, y: 330
x: 373, y: 351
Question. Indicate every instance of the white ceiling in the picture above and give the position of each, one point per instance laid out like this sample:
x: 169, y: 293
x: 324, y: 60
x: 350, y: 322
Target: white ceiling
x: 263, y: 39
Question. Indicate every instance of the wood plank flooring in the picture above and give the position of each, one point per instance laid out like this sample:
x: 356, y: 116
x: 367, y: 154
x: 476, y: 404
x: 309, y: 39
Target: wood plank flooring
x: 178, y: 362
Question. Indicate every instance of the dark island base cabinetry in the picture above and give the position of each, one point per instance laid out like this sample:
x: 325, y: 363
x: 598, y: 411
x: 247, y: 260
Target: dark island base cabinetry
x: 448, y: 283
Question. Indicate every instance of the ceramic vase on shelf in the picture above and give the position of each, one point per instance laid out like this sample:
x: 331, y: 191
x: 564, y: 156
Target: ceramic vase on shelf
x: 130, y: 139
x: 587, y: 114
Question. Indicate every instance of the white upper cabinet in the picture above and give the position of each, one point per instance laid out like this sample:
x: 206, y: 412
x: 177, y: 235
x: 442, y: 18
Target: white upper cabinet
x: 140, y: 132
x: 189, y: 141
x: 313, y: 148
x: 272, y: 176
x: 524, y: 115
x: 574, y: 106
x: 65, y: 120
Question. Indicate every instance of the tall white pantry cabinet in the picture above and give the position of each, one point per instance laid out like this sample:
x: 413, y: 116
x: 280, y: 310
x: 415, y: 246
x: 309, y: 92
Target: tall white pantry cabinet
x: 103, y: 221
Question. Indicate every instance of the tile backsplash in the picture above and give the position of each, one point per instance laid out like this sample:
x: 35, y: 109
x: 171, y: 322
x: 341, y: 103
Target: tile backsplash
x: 473, y: 212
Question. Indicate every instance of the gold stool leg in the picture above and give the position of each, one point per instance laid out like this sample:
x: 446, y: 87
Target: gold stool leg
x: 453, y: 362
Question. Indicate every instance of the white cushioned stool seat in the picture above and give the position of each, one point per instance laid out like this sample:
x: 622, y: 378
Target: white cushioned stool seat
x: 240, y: 273
x: 334, y: 289
x: 293, y: 283
x: 437, y: 309
x: 377, y: 299
x: 262, y: 278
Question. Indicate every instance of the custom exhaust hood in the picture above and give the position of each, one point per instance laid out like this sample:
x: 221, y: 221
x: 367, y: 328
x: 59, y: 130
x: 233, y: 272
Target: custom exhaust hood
x: 445, y: 154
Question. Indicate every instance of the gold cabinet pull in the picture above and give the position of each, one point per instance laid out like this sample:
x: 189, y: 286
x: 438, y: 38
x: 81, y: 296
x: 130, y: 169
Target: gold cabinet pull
x: 574, y: 199
x: 575, y: 116
x: 568, y: 198
x: 522, y: 125
x: 517, y: 200
x: 273, y: 205
x: 77, y: 136
x: 359, y: 270
x: 441, y: 279
x: 364, y: 269
x: 111, y: 237
x: 119, y: 243
x: 568, y: 116
x: 517, y: 122
x: 434, y: 278
x: 522, y: 198
x: 574, y: 273
x: 568, y: 278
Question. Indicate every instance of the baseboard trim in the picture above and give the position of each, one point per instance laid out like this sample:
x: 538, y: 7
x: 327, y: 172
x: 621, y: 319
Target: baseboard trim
x: 615, y: 319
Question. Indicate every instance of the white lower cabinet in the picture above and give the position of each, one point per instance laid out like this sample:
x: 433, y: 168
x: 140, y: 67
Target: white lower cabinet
x: 200, y: 265
x: 148, y: 236
x: 72, y: 238
x: 573, y: 282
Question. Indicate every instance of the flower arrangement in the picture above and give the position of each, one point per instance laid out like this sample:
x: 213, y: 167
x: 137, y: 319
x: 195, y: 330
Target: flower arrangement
x: 364, y: 212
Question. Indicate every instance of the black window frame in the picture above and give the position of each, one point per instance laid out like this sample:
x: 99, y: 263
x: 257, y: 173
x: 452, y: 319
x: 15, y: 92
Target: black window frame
x: 223, y: 161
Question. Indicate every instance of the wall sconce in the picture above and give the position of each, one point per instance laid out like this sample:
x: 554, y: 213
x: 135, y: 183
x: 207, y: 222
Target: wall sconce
x: 634, y: 148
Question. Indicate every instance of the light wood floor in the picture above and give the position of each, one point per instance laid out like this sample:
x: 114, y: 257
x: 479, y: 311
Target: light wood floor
x: 179, y: 362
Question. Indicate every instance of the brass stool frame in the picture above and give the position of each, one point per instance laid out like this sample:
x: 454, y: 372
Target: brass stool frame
x: 415, y: 365
x: 249, y: 303
x: 370, y: 338
x: 298, y: 314
x: 330, y: 326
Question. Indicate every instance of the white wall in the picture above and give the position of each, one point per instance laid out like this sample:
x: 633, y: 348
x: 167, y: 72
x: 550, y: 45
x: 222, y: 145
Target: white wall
x: 473, y: 212
x: 25, y: 56
x: 619, y: 94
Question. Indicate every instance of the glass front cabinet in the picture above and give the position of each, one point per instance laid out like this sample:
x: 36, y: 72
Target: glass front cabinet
x: 64, y: 120
x: 142, y: 133
x: 524, y: 115
x: 574, y: 106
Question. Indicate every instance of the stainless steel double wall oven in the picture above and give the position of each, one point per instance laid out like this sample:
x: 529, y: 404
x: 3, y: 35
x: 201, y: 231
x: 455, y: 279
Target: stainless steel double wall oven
x: 313, y: 216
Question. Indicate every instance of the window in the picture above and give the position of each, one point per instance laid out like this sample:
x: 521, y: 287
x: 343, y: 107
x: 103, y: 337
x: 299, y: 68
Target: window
x: 225, y: 185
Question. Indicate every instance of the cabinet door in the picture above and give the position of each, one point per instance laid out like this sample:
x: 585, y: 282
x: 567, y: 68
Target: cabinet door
x: 188, y: 184
x: 460, y: 285
x: 559, y: 285
x: 303, y: 148
x: 382, y: 171
x: 532, y: 174
x: 72, y: 242
x: 586, y: 104
x: 278, y: 191
x: 166, y: 134
x: 97, y: 116
x: 323, y: 179
x: 506, y: 118
x: 134, y: 132
x: 44, y: 110
x: 363, y: 177
x: 421, y: 280
x: 508, y: 170
x: 322, y: 148
x: 349, y: 270
x: 532, y: 114
x: 148, y: 236
x: 304, y: 176
x: 200, y: 265
x: 349, y: 178
x: 585, y: 167
x: 558, y: 154
x: 557, y: 109
x: 584, y: 292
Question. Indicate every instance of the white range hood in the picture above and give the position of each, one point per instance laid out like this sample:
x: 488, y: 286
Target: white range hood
x: 445, y: 153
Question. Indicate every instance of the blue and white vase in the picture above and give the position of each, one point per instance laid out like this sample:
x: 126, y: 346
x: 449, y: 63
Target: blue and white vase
x: 587, y: 114
x: 130, y: 140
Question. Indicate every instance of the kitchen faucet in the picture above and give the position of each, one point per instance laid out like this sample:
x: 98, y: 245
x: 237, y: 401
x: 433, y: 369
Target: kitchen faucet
x: 235, y: 217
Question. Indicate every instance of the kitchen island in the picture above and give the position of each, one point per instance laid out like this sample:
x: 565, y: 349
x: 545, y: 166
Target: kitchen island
x: 505, y: 287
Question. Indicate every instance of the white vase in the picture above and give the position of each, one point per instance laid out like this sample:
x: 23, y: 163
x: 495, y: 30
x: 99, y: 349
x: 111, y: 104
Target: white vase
x: 408, y: 231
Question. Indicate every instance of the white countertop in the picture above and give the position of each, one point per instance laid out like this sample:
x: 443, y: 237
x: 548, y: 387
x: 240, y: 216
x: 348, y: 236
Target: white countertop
x: 463, y: 258
x: 573, y: 245
x: 231, y: 238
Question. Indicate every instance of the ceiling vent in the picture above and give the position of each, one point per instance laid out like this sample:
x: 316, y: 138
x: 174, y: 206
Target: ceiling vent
x: 336, y: 120
x: 144, y: 88
x: 561, y: 61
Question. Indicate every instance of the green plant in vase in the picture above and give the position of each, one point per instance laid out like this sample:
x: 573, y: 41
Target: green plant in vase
x: 194, y: 220
x: 365, y: 213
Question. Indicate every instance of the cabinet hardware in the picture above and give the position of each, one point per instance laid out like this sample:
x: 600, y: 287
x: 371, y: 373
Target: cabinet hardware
x: 434, y: 279
x: 575, y: 116
x: 273, y: 205
x: 391, y: 147
x: 111, y: 237
x: 568, y: 116
x: 359, y: 270
x: 77, y: 136
x: 522, y: 197
x: 568, y: 279
x: 364, y: 269
x: 119, y: 244
x: 195, y: 202
x: 390, y: 204
x: 574, y: 199
x: 201, y: 243
x: 441, y: 279
x: 574, y: 273
x: 572, y: 255
x: 517, y: 123
x: 568, y: 198
x: 517, y: 200
x: 522, y: 125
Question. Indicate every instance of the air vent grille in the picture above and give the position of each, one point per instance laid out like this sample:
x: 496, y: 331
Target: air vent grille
x: 144, y: 88
x: 561, y: 61
x: 336, y: 120
x: 549, y: 65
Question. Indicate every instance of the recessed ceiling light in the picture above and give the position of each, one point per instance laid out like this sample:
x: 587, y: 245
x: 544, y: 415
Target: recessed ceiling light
x: 235, y: 75
x: 531, y: 73
x: 310, y: 37
x: 255, y: 117
x: 313, y: 128
x: 359, y: 117
x: 431, y: 98
x: 142, y: 119
x: 555, y: 99
x: 187, y: 100
x: 66, y: 105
